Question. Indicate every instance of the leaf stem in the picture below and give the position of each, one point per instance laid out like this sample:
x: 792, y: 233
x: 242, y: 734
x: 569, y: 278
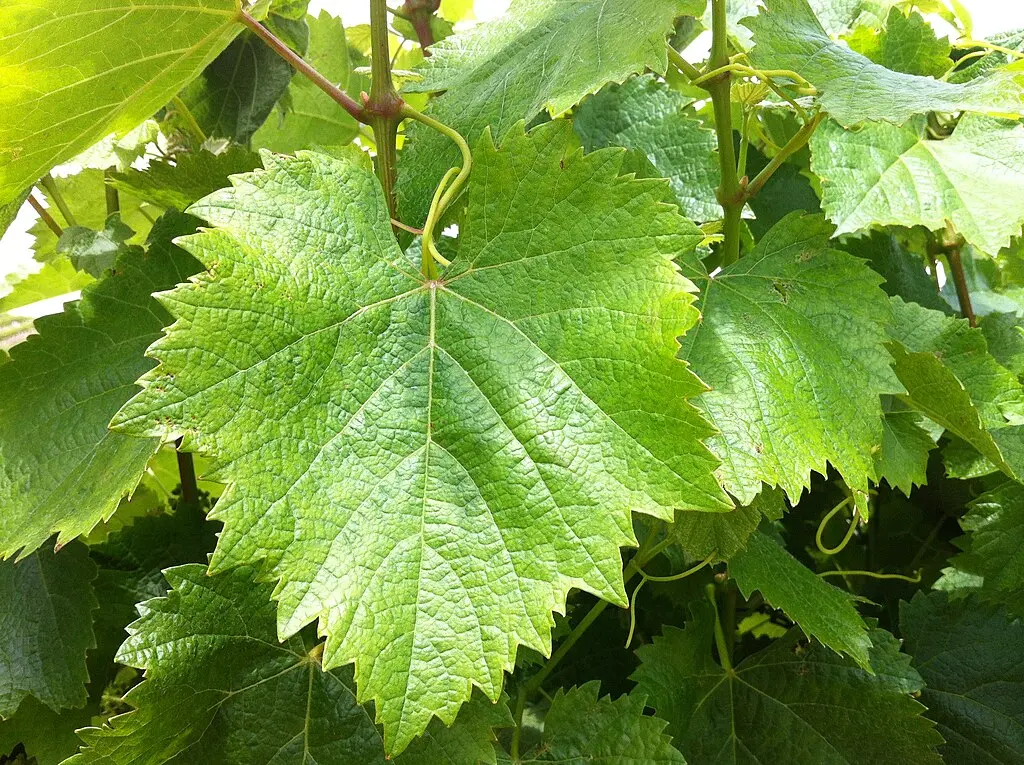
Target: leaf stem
x: 44, y: 216
x: 191, y: 123
x: 723, y: 647
x: 684, y: 66
x: 793, y: 145
x: 730, y: 195
x: 445, y: 193
x: 874, y: 575
x: 187, y: 472
x: 342, y: 98
x: 419, y: 14
x: 53, y: 192
x: 110, y: 192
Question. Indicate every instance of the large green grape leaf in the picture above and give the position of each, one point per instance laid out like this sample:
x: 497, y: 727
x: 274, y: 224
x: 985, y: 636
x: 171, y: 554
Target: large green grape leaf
x: 904, y: 272
x: 192, y: 176
x: 907, y: 44
x: 463, y: 450
x: 542, y: 54
x: 647, y: 116
x: 220, y: 688
x: 61, y: 470
x: 46, y: 605
x: 235, y: 94
x: 789, y: 703
x: 951, y: 378
x: 310, y: 118
x: 74, y: 72
x: 791, y: 342
x: 581, y: 728
x: 822, y: 611
x: 9, y: 211
x: 969, y: 655
x: 882, y: 174
x: 994, y: 546
x: 852, y: 88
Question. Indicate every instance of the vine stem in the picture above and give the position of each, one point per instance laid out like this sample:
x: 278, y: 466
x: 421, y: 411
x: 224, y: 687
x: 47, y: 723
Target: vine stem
x: 383, y: 104
x: 730, y: 194
x: 419, y: 14
x: 342, y: 98
x: 724, y: 656
x: 53, y: 192
x: 191, y: 123
x: 963, y: 295
x: 112, y: 198
x: 44, y: 216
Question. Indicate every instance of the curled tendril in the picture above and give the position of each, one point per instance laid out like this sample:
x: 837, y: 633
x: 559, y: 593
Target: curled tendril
x: 849, y: 532
x: 873, y: 574
x: 645, y: 578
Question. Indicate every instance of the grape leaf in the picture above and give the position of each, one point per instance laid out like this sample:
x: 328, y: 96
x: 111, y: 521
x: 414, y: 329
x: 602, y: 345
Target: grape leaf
x: 9, y: 211
x: 969, y: 655
x: 951, y: 378
x: 235, y: 94
x: 61, y: 470
x: 214, y: 665
x: 542, y: 54
x: 95, y: 251
x: 435, y: 411
x: 1004, y: 335
x: 85, y: 196
x: 904, y: 272
x: 46, y: 628
x: 192, y: 176
x: 647, y: 116
x: 73, y: 75
x: 822, y: 611
x: 725, y: 534
x: 312, y: 118
x: 47, y: 736
x: 852, y: 88
x: 787, y: 703
x: 882, y: 174
x: 581, y: 728
x: 58, y: 277
x: 791, y: 342
x: 907, y: 44
x: 994, y: 547
x: 902, y: 459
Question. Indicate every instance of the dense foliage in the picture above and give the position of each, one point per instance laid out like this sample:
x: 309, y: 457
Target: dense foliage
x: 388, y: 377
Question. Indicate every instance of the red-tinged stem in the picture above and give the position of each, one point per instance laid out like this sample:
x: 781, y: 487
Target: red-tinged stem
x: 343, y: 99
x: 44, y: 216
x: 187, y: 472
x: 963, y: 296
x: 419, y: 13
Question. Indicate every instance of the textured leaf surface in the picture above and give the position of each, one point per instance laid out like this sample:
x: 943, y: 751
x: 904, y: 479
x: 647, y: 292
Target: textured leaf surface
x: 312, y: 118
x: 822, y: 611
x: 542, y: 54
x: 791, y: 343
x: 904, y: 272
x: 645, y: 115
x: 994, y: 547
x: 74, y: 72
x: 788, y: 703
x: 46, y: 627
x: 214, y: 667
x: 969, y: 655
x: 95, y: 251
x: 62, y: 470
x: 581, y: 728
x: 459, y: 452
x: 192, y: 176
x: 883, y: 174
x: 951, y: 378
x: 852, y: 88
